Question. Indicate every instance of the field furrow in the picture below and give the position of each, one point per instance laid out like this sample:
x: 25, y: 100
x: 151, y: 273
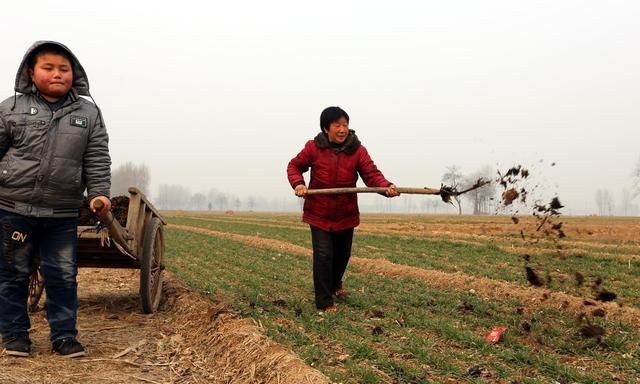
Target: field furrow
x: 417, y: 317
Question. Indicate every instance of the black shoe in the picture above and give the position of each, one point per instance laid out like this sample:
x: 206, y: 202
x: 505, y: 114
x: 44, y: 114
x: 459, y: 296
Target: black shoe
x: 18, y: 345
x: 69, y: 347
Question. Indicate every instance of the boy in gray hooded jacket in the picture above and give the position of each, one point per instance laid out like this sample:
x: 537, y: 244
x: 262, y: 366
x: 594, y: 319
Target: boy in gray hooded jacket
x: 53, y: 147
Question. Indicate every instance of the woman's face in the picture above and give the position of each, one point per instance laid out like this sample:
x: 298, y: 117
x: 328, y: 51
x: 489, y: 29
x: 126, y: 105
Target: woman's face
x: 338, y: 131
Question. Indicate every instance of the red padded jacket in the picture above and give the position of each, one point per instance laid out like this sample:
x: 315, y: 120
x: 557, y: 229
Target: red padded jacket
x: 334, y: 167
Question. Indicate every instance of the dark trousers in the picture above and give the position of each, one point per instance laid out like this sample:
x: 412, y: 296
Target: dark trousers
x: 331, y: 253
x: 54, y: 241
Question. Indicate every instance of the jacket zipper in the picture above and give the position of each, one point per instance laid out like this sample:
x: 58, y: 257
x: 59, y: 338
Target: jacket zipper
x: 334, y: 180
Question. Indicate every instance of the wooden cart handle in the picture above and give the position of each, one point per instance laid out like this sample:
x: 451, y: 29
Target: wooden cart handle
x: 119, y: 234
x: 106, y: 217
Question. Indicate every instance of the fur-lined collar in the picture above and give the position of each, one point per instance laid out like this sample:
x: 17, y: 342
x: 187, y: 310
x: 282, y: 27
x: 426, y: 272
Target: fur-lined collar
x: 349, y: 146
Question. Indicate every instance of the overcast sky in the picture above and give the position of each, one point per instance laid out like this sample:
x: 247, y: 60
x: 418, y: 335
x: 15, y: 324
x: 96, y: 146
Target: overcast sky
x: 223, y: 94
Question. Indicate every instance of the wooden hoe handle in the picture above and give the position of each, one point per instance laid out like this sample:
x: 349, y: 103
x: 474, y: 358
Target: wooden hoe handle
x: 336, y: 191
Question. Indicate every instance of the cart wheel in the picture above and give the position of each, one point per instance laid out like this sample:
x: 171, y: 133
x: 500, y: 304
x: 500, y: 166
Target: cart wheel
x: 151, y: 267
x: 36, y: 287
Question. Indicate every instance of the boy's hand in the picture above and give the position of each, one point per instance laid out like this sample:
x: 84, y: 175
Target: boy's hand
x: 392, y: 191
x: 301, y: 190
x: 103, y: 205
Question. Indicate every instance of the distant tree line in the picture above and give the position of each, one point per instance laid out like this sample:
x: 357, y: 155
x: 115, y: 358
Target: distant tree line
x: 130, y: 175
x: 606, y: 206
x: 627, y: 207
x: 481, y: 201
x: 177, y: 197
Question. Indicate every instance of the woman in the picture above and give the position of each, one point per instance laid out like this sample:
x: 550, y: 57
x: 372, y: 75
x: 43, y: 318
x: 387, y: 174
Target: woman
x: 336, y: 158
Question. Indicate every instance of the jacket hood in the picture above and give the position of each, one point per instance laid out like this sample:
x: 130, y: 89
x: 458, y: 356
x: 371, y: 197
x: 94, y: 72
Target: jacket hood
x: 24, y: 84
x: 349, y: 146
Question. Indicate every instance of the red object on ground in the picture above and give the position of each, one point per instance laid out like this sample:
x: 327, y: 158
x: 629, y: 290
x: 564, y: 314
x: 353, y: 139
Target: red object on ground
x: 495, y: 335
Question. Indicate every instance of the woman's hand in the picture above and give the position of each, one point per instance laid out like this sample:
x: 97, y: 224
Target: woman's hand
x: 301, y: 190
x: 392, y: 191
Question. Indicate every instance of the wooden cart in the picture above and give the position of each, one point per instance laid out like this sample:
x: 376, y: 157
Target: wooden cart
x: 139, y: 245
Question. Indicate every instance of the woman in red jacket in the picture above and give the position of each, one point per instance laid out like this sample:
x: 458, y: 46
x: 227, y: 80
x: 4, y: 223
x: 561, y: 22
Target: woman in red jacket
x: 336, y: 158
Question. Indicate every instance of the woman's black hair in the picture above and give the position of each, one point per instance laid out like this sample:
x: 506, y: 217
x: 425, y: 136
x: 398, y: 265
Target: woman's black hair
x: 48, y: 48
x: 330, y: 115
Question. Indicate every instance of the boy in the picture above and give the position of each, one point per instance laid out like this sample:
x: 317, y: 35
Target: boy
x: 53, y: 146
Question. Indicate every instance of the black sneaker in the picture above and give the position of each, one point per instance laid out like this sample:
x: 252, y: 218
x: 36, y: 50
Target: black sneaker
x: 17, y: 345
x: 68, y: 347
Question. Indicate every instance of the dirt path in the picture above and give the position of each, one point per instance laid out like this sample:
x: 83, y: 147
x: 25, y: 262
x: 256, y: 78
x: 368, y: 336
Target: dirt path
x: 532, y: 299
x: 189, y: 340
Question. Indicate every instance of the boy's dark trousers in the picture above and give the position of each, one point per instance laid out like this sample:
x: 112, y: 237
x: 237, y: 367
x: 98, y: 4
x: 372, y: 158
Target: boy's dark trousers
x: 331, y: 253
x: 54, y: 240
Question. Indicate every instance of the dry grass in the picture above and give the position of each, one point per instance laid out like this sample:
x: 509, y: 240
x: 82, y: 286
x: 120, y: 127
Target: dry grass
x: 189, y: 340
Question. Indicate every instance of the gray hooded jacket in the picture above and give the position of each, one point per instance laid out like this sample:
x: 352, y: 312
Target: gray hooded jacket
x: 49, y: 158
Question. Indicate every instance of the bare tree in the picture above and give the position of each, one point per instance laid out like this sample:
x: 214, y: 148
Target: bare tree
x: 173, y: 196
x: 625, y: 202
x: 221, y: 202
x: 251, y: 202
x: 130, y: 175
x: 600, y: 201
x: 425, y: 206
x: 435, y: 205
x: 198, y: 201
x: 453, y: 178
x: 604, y: 202
x: 635, y: 178
x: 217, y: 199
x: 609, y: 202
x: 481, y: 197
